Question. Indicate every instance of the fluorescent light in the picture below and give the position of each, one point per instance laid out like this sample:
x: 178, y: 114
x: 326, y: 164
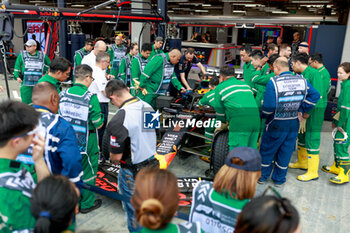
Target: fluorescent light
x: 201, y: 11
x: 171, y: 11
x: 78, y: 5
x: 311, y: 2
x: 279, y: 12
x: 206, y: 4
x: 239, y: 11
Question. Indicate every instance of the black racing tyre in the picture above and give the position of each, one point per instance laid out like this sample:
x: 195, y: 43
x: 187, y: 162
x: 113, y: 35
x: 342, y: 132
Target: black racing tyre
x: 105, y: 145
x: 220, y: 150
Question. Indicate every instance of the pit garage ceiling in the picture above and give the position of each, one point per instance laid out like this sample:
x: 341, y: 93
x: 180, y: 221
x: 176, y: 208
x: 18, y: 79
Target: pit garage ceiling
x: 336, y: 9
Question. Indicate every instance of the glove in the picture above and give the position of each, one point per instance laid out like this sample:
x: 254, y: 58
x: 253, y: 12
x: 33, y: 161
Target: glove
x: 137, y: 84
x: 144, y: 92
x: 302, y: 127
x: 222, y: 127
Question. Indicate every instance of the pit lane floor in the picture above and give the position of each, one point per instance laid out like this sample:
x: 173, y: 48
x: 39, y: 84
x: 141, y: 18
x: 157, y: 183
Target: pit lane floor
x: 324, y: 207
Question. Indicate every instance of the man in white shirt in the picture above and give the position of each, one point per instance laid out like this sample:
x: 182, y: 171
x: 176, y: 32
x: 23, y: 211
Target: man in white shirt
x: 90, y: 59
x: 98, y: 87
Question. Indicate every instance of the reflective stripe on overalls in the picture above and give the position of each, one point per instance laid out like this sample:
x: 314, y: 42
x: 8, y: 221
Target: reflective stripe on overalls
x: 168, y: 70
x: 33, y: 67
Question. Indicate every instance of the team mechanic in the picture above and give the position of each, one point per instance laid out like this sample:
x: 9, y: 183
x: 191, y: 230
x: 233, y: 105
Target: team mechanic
x: 137, y: 66
x: 235, y: 102
x: 157, y: 75
x: 131, y: 146
x: 182, y: 69
x: 125, y: 65
x: 81, y: 108
x: 285, y: 96
x: 30, y: 65
x: 116, y: 53
x: 309, y: 141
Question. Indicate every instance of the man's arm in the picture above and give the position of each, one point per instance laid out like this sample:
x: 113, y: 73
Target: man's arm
x: 201, y: 67
x: 344, y: 109
x: 118, y: 135
x: 38, y: 157
x: 47, y: 63
x: 269, y: 104
x: 95, y: 112
x: 177, y: 84
x: 219, y: 106
x: 184, y: 81
x: 263, y: 79
x: 18, y: 68
x: 152, y: 66
x: 122, y: 70
x: 312, y: 96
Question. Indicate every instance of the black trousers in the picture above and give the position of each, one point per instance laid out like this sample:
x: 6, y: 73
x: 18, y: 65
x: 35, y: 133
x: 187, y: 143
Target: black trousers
x: 104, y: 111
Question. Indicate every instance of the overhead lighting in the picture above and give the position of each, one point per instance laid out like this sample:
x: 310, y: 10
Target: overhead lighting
x: 252, y: 5
x: 239, y: 11
x: 279, y: 12
x: 37, y: 1
x: 206, y: 4
x: 311, y: 2
x: 78, y: 5
x: 201, y: 11
x: 171, y: 11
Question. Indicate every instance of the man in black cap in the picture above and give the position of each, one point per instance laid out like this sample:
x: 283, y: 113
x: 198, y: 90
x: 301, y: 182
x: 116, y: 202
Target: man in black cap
x: 157, y: 47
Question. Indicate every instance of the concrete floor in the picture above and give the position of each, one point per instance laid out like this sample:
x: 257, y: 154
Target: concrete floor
x: 321, y: 204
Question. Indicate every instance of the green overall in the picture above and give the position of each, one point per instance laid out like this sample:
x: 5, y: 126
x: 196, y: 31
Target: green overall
x: 124, y: 69
x: 78, y: 57
x: 311, y: 139
x: 152, y: 78
x: 208, y: 99
x: 155, y: 52
x: 248, y: 70
x: 39, y: 62
x: 137, y: 66
x: 52, y: 80
x: 116, y: 53
x: 234, y: 102
x: 90, y: 158
x: 14, y: 204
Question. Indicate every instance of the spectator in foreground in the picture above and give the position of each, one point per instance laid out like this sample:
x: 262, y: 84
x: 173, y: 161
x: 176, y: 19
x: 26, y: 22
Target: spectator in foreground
x: 268, y: 214
x: 54, y: 203
x: 155, y: 200
x: 220, y: 202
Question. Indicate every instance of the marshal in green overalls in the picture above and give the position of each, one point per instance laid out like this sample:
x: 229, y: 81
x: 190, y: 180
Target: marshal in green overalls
x: 116, y: 53
x: 82, y: 109
x: 235, y: 102
x: 156, y: 78
x: 30, y: 68
x: 311, y: 139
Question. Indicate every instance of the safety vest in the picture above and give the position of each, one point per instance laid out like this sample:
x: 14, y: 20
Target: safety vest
x: 82, y: 54
x: 290, y: 93
x: 128, y: 70
x: 75, y: 109
x: 48, y: 121
x: 20, y: 181
x: 168, y: 70
x: 119, y: 53
x: 33, y: 67
x: 214, y: 216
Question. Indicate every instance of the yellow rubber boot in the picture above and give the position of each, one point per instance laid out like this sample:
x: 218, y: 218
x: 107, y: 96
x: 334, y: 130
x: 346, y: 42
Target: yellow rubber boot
x: 301, y: 163
x: 343, y: 176
x: 331, y: 169
x: 312, y: 171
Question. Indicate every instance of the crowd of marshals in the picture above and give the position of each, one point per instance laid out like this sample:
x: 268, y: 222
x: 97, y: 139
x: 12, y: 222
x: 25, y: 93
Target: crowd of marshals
x: 290, y: 102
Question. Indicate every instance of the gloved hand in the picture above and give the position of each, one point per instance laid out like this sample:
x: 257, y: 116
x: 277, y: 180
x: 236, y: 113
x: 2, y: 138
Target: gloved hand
x: 144, y: 91
x: 222, y: 127
x: 302, y: 127
x: 137, y: 84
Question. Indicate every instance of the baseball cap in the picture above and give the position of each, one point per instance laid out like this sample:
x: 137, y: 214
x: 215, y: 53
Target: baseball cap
x: 251, y: 158
x: 159, y: 38
x: 30, y: 42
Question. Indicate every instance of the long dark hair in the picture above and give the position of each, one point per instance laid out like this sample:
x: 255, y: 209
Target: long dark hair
x: 53, y: 204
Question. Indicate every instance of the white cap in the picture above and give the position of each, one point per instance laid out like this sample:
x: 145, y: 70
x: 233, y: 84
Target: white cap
x: 30, y: 42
